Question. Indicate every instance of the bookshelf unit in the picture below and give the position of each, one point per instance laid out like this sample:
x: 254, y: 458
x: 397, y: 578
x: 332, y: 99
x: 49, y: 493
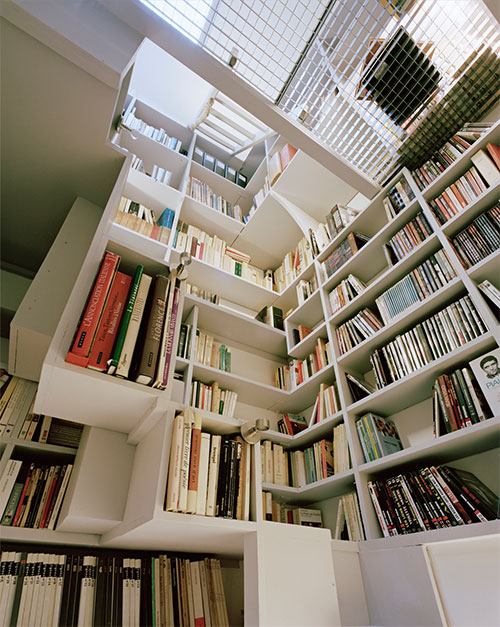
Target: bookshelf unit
x: 143, y: 416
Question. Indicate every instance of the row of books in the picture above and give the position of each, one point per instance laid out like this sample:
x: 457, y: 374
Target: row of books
x: 211, y: 353
x: 433, y: 497
x: 345, y: 292
x: 209, y: 474
x: 273, y: 316
x: 458, y: 400
x: 398, y: 196
x: 336, y: 221
x: 378, y: 436
x: 184, y: 343
x: 301, y: 332
x: 344, y: 251
x: 293, y: 264
x: 131, y: 122
x: 216, y: 252
x: 210, y: 397
x: 128, y: 325
x: 305, y: 289
x: 279, y: 161
x: 162, y: 175
x: 219, y: 167
x: 434, y: 337
x: 348, y: 525
x: 70, y: 589
x: 31, y: 493
x: 16, y: 398
x: 426, y: 279
x: 136, y: 217
x: 490, y: 291
x: 292, y: 424
x: 202, y: 293
x: 289, y: 376
x: 480, y: 239
x: 407, y: 239
x: 327, y: 403
x: 357, y: 329
x: 451, y: 150
x: 457, y: 196
x: 204, y: 194
x: 259, y: 197
x: 289, y: 514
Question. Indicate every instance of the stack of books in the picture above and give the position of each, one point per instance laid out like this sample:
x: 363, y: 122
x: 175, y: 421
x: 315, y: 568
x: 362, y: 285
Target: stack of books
x: 293, y: 264
x: 378, y: 436
x: 217, y: 253
x: 211, y: 353
x: 136, y: 217
x: 406, y: 239
x: 31, y: 493
x: 132, y: 123
x: 356, y: 330
x: 438, y: 335
x: 345, y: 292
x: 345, y: 250
x: 424, y: 280
x: 203, y: 193
x: 399, y: 196
x: 431, y: 498
x: 209, y: 474
x: 128, y: 325
x: 480, y: 239
x: 348, y: 525
x: 210, y: 397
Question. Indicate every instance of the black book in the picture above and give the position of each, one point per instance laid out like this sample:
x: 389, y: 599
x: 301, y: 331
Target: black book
x: 108, y: 608
x: 225, y: 456
x: 116, y: 618
x: 75, y: 591
x: 68, y: 571
x: 175, y: 590
x: 35, y: 501
x: 358, y: 390
x: 484, y: 499
x: 100, y: 591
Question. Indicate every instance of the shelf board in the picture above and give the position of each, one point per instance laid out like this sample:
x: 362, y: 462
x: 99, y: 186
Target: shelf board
x: 215, y: 423
x: 304, y: 395
x: 110, y: 402
x: 477, y: 206
x: 220, y: 185
x: 312, y: 492
x: 235, y: 326
x: 171, y: 531
x: 308, y: 344
x: 21, y: 534
x: 228, y: 286
x: 309, y: 312
x: 210, y: 220
x: 358, y: 357
x: 155, y: 195
x: 159, y: 154
x: 449, y: 447
x: 462, y: 164
x: 295, y: 184
x: 307, y: 436
x: 146, y: 246
x: 418, y: 385
x: 269, y: 234
x: 487, y: 266
x: 288, y: 297
x: 39, y: 446
x: 490, y: 527
x: 386, y: 279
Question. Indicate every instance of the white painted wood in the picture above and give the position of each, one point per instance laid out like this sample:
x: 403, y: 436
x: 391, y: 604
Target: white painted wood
x: 38, y: 315
x: 349, y: 583
x: 317, y: 491
x: 97, y: 491
x: 468, y: 579
x: 398, y: 588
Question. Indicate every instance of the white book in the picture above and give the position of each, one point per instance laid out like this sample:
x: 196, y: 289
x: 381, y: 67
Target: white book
x: 24, y: 604
x: 486, y: 167
x: 174, y: 472
x: 84, y: 586
x: 43, y: 590
x: 35, y: 590
x: 18, y: 404
x: 204, y: 594
x: 189, y: 421
x: 201, y: 501
x: 213, y: 474
x: 189, y: 588
x: 50, y: 582
x: 156, y: 590
x: 194, y: 466
x: 7, y: 482
x: 197, y: 593
x: 59, y: 589
x: 490, y: 291
x: 14, y: 578
x: 126, y: 605
x: 5, y: 559
x: 123, y: 368
x: 137, y: 592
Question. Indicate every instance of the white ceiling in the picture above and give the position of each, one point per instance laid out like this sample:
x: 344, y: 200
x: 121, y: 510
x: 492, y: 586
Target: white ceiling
x: 54, y: 122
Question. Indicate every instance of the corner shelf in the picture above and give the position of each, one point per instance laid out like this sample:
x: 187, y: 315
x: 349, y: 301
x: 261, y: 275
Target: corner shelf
x: 319, y: 490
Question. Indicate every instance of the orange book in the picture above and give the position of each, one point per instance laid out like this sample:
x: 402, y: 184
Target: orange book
x: 287, y: 153
x: 494, y: 151
x: 304, y: 331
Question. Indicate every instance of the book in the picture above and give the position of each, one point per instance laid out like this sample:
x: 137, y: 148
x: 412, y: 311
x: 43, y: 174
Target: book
x: 494, y: 153
x: 486, y: 370
x: 385, y: 434
x: 486, y: 166
x: 87, y: 327
x: 490, y: 291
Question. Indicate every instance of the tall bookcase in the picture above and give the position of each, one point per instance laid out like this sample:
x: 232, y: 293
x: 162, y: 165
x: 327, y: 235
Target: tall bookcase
x: 297, y: 201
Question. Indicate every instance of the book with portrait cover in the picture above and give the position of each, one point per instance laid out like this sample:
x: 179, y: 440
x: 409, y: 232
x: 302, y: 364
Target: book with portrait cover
x: 486, y: 369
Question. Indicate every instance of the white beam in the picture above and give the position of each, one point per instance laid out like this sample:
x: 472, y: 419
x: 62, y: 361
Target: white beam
x: 223, y: 78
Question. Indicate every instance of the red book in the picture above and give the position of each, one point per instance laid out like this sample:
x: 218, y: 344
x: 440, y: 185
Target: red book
x: 110, y: 322
x: 494, y: 151
x: 89, y: 322
x: 49, y: 497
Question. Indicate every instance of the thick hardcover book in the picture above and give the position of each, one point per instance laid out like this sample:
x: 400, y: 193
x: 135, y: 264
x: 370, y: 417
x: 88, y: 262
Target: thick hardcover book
x: 125, y: 321
x: 148, y: 344
x: 87, y: 328
x: 108, y: 326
